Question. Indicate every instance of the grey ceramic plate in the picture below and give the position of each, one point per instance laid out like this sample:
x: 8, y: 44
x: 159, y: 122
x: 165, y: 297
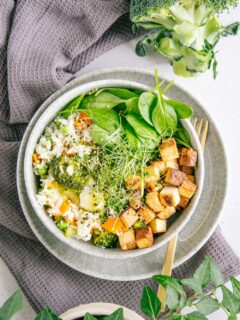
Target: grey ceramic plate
x: 191, y: 238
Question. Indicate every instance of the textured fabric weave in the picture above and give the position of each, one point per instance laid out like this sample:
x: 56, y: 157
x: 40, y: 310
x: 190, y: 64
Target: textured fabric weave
x: 42, y: 44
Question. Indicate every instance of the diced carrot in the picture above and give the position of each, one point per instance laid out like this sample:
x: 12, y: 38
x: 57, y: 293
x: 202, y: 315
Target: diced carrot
x: 70, y: 221
x: 64, y: 207
x: 114, y: 226
x: 36, y: 159
x: 85, y: 117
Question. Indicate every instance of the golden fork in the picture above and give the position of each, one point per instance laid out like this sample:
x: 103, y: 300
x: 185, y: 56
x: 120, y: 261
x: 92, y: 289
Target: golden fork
x: 171, y: 248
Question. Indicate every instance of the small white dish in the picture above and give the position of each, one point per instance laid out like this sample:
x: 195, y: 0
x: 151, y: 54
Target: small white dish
x: 48, y: 115
x: 98, y: 309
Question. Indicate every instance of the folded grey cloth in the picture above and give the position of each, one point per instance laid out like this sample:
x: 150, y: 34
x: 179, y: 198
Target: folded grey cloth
x: 42, y: 44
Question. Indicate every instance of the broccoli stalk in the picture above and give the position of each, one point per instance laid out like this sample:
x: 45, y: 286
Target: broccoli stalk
x: 184, y: 31
x: 104, y: 239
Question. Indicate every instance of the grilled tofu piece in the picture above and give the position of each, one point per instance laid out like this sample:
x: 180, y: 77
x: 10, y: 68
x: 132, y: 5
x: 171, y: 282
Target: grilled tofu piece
x: 168, y: 150
x: 187, y: 188
x: 146, y: 214
x: 160, y: 165
x: 158, y: 226
x: 169, y: 196
x: 133, y: 183
x: 188, y: 157
x: 153, y: 201
x: 152, y: 174
x: 166, y: 213
x: 183, y: 203
x: 187, y: 170
x: 172, y: 164
x: 153, y: 186
x: 174, y: 177
x: 191, y: 178
x: 144, y: 237
x: 129, y: 217
x: 127, y: 240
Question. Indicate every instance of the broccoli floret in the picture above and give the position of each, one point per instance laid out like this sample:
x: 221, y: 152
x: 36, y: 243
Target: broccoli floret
x: 104, y: 239
x: 184, y: 31
x: 139, y: 224
x: 69, y: 172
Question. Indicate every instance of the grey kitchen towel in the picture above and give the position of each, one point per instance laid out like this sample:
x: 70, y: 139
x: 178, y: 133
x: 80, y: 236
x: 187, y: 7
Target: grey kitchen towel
x: 42, y: 44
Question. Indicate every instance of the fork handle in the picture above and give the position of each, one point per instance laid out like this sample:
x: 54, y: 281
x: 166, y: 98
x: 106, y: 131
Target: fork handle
x: 167, y: 269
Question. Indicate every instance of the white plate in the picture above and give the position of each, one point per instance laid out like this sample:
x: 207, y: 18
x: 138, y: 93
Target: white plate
x: 191, y: 238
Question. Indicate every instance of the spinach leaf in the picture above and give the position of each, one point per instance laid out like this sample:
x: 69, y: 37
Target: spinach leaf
x: 71, y: 107
x: 105, y: 118
x: 11, y: 306
x: 171, y: 117
x: 46, y: 314
x: 88, y: 316
x: 102, y: 137
x: 116, y: 315
x: 158, y: 117
x: 182, y: 136
x: 145, y: 105
x: 150, y: 304
x: 132, y: 139
x: 141, y: 128
x: 183, y: 110
x: 118, y: 92
x: 132, y: 105
x: 102, y: 100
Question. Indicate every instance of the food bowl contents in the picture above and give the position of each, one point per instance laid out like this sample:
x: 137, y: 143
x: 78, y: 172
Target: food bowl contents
x: 115, y: 165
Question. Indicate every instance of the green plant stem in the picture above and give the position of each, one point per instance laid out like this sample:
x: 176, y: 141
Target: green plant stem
x: 220, y: 304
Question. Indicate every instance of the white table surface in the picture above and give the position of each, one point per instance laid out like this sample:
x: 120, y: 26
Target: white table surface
x: 220, y: 97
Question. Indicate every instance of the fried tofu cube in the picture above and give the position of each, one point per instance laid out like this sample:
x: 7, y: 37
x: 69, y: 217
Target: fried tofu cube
x: 174, y: 177
x: 153, y: 186
x: 144, y: 237
x: 167, y: 212
x: 152, y: 174
x: 191, y: 178
x: 146, y: 214
x: 168, y: 150
x: 188, y: 157
x: 187, y: 170
x: 172, y: 164
x: 129, y: 217
x: 127, y: 240
x: 158, y: 226
x: 183, y: 203
x: 160, y: 165
x: 133, y: 183
x: 169, y: 196
x: 153, y: 201
x: 187, y: 188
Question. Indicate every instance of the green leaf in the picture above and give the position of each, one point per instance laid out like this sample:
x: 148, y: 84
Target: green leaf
x: 88, y: 316
x: 171, y: 117
x: 105, y: 118
x: 193, y: 284
x: 116, y: 315
x: 171, y: 298
x: 231, y: 30
x: 195, y: 316
x: 150, y: 304
x: 202, y: 274
x: 182, y: 136
x: 102, y: 137
x: 145, y: 105
x: 71, y: 107
x: 158, y: 117
x: 121, y: 93
x: 236, y: 287
x: 141, y: 50
x: 178, y: 317
x: 132, y: 139
x: 11, y: 306
x: 47, y: 314
x: 232, y: 317
x: 183, y: 110
x: 132, y: 106
x: 141, y: 128
x: 230, y: 302
x: 102, y: 100
x: 215, y: 274
x: 207, y: 305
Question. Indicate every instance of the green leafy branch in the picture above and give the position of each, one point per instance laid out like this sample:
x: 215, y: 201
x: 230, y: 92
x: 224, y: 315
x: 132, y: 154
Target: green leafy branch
x: 207, y: 280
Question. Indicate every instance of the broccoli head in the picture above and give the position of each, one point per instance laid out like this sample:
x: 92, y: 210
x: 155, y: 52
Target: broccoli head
x: 104, y: 239
x: 68, y: 172
x: 184, y: 31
